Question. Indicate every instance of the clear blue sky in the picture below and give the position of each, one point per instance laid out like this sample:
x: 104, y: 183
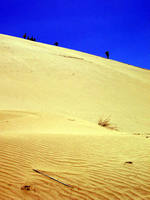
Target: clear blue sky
x: 92, y: 26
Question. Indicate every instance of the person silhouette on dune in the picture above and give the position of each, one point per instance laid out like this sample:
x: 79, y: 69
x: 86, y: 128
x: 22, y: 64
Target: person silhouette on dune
x: 107, y: 54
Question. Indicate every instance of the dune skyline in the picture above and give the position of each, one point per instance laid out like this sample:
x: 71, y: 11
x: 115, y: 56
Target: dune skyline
x: 54, y: 103
x: 94, y: 27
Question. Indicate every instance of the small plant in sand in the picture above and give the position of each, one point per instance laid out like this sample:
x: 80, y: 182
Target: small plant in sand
x: 106, y: 123
x: 24, y: 36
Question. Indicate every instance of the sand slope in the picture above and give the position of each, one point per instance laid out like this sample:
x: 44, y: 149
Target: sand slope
x: 51, y: 101
x: 38, y: 77
x: 92, y: 165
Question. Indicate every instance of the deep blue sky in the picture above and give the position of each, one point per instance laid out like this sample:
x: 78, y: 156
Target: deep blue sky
x: 93, y: 26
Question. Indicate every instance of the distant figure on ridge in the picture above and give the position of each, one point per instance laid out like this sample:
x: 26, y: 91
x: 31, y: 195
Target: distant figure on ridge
x: 28, y: 38
x: 56, y: 43
x: 24, y: 36
x: 107, y: 54
x: 31, y: 38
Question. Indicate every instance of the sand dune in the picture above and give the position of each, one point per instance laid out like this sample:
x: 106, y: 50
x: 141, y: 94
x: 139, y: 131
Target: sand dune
x: 38, y: 77
x: 51, y: 101
x: 93, y: 165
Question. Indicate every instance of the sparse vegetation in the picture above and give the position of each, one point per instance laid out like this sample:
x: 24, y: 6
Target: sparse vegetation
x: 106, y: 123
x: 26, y: 187
x: 28, y: 38
x: 128, y: 162
x: 31, y: 38
x: 56, y: 43
x: 24, y: 36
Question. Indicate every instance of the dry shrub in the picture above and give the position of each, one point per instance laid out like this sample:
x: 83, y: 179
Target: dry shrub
x: 106, y: 123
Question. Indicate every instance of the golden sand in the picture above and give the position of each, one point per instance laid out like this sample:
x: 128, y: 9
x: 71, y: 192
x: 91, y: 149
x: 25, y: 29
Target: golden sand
x: 51, y: 101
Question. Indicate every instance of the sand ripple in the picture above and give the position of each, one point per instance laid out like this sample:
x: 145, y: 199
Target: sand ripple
x: 92, y: 165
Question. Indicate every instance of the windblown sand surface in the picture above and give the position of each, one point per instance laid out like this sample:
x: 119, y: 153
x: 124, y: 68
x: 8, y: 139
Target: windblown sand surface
x: 51, y: 101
